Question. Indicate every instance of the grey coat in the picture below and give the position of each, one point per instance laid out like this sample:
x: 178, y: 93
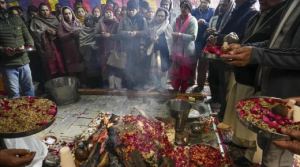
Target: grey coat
x: 284, y: 64
x: 189, y: 38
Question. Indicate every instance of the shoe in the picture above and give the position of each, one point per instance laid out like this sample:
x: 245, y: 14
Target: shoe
x: 198, y: 89
x: 242, y: 161
x: 230, y: 143
x: 191, y: 83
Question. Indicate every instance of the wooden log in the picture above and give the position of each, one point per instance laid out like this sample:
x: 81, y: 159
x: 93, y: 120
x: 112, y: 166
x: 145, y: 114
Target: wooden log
x: 132, y: 93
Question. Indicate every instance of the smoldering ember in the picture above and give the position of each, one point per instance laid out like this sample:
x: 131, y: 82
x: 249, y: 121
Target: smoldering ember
x: 144, y: 83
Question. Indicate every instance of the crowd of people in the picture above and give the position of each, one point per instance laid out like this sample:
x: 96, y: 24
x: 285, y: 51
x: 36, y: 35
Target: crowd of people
x: 139, y: 47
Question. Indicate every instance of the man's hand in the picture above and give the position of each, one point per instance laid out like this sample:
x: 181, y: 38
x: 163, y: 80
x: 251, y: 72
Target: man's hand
x: 211, y: 30
x: 15, y: 157
x: 297, y: 99
x: 154, y: 39
x: 212, y: 40
x: 291, y: 145
x: 8, y: 51
x: 201, y: 21
x: 239, y: 57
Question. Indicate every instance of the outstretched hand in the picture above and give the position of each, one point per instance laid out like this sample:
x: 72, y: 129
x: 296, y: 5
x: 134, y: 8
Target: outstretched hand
x: 291, y: 145
x: 16, y: 157
x: 239, y: 57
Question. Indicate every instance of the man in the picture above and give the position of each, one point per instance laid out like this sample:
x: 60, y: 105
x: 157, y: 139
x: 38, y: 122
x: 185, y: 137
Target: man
x: 240, y: 16
x: 279, y: 75
x: 259, y: 29
x: 216, y: 75
x: 14, y: 67
x: 150, y: 16
x: 144, y: 6
x: 167, y: 4
x: 203, y: 14
x: 57, y: 11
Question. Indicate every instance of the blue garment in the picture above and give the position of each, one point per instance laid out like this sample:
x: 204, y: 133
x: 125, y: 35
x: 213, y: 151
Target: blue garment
x: 13, y: 76
x: 207, y: 15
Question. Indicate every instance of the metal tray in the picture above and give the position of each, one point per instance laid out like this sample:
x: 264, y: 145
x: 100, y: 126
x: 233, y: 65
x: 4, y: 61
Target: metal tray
x: 31, y: 49
x: 262, y: 132
x: 29, y: 132
x: 211, y: 56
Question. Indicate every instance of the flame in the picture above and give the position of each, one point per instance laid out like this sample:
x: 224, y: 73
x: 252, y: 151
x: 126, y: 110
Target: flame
x: 110, y: 124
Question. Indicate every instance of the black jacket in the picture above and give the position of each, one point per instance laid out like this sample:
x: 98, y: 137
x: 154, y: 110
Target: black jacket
x: 246, y: 75
x: 238, y: 21
x: 284, y: 78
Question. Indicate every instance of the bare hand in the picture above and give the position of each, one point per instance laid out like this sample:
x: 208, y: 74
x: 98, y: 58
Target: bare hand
x: 16, y: 157
x: 291, y: 145
x: 212, y: 40
x: 53, y: 32
x: 201, y: 21
x: 239, y: 57
x: 8, y: 51
x: 155, y: 39
x: 297, y: 99
x: 211, y: 30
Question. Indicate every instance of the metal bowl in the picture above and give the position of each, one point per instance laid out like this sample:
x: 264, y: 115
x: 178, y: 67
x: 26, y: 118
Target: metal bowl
x: 63, y: 90
x: 262, y: 132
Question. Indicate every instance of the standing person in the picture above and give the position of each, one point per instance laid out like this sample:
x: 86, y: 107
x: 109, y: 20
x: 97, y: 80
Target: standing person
x: 203, y: 14
x: 57, y: 11
x: 107, y: 40
x: 97, y: 13
x: 279, y: 72
x: 161, y: 37
x: 258, y: 30
x: 185, y: 33
x: 150, y: 16
x: 167, y: 4
x: 133, y: 30
x: 216, y: 75
x: 144, y: 6
x: 80, y: 12
x: 175, y: 11
x: 88, y: 49
x: 31, y: 11
x: 110, y: 3
x: 43, y: 30
x: 240, y: 16
x: 119, y: 13
x: 124, y: 11
x: 68, y: 33
x: 14, y: 67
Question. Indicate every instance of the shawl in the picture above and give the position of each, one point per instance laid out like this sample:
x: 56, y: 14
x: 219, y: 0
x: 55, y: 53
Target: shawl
x: 75, y: 25
x: 80, y: 18
x: 86, y: 41
x: 178, y: 50
x: 227, y: 15
x: 38, y: 27
x: 164, y: 27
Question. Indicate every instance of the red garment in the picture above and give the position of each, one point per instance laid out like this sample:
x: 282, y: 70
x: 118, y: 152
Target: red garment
x: 54, y: 62
x: 180, y: 72
x: 70, y: 48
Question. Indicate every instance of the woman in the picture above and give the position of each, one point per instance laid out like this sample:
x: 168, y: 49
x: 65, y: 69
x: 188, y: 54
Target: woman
x: 97, y: 13
x: 17, y: 11
x: 43, y: 30
x: 124, y: 11
x: 119, y: 13
x: 87, y: 48
x: 106, y: 35
x: 80, y: 12
x: 185, y: 33
x: 133, y: 30
x: 68, y: 33
x: 161, y: 37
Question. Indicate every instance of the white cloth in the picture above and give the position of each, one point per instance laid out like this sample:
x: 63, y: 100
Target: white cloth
x: 30, y: 143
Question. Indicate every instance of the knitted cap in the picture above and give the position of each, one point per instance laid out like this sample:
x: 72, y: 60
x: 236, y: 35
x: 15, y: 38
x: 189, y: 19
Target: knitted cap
x: 132, y: 5
x: 188, y: 3
x: 109, y: 8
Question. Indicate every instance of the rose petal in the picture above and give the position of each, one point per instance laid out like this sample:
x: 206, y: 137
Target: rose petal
x: 273, y: 124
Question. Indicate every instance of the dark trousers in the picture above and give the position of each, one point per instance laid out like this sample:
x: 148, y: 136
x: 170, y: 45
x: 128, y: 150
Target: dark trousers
x: 199, y: 69
x: 217, y: 83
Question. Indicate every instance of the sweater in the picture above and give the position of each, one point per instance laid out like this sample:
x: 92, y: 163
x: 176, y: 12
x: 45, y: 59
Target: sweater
x: 14, y: 38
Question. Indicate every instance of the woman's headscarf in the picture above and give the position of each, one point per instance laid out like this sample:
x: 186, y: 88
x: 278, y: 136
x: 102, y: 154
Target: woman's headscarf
x: 227, y: 14
x: 164, y: 27
x: 97, y: 18
x: 75, y: 25
x: 80, y: 18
